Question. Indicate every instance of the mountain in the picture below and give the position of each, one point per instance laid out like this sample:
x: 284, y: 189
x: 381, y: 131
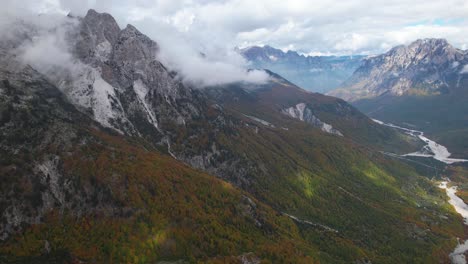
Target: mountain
x: 306, y: 166
x: 314, y: 73
x: 114, y: 159
x: 73, y: 191
x: 426, y: 67
x: 423, y: 85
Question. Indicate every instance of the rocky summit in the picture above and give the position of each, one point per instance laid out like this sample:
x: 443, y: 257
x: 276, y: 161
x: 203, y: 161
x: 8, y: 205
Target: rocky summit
x: 426, y: 66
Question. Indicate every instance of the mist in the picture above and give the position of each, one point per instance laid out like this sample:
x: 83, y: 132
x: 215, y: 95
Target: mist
x: 205, y: 66
x: 36, y: 32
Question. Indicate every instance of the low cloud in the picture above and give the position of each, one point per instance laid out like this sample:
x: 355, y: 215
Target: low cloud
x: 464, y: 69
x: 205, y: 66
x: 37, y: 39
x: 40, y: 40
x: 47, y: 50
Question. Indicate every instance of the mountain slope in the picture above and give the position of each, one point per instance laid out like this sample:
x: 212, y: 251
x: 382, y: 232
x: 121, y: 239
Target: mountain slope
x: 279, y: 99
x: 74, y: 192
x: 314, y: 73
x: 329, y: 179
x: 329, y: 196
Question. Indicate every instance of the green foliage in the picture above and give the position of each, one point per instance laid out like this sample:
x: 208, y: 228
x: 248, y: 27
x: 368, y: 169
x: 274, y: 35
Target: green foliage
x: 442, y: 117
x: 383, y: 209
x: 162, y: 210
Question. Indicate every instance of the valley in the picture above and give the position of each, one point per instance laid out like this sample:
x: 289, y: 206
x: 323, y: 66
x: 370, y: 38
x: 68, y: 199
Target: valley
x: 122, y: 141
x: 438, y: 152
x: 458, y: 254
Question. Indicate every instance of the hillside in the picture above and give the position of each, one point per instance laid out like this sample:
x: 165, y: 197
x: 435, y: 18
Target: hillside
x: 73, y: 191
x: 308, y: 166
x: 119, y: 160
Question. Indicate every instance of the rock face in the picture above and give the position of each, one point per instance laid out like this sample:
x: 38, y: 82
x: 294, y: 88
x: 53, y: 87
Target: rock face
x: 427, y: 66
x: 315, y: 73
x: 302, y: 112
x: 34, y: 119
x: 116, y: 81
x: 121, y: 83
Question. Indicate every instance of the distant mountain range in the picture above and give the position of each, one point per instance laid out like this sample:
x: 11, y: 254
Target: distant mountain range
x: 425, y: 67
x: 424, y: 85
x: 313, y: 73
x: 113, y: 159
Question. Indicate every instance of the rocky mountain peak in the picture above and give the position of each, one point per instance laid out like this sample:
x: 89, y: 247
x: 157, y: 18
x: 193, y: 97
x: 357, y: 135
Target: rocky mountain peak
x: 427, y: 51
x: 133, y: 46
x: 98, y: 33
x: 426, y: 66
x: 118, y: 80
x: 102, y: 21
x: 431, y: 42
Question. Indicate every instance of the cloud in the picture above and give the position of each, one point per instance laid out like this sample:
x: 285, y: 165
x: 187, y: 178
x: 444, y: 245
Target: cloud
x: 217, y: 65
x: 46, y: 48
x: 37, y: 39
x: 331, y: 27
x: 464, y: 69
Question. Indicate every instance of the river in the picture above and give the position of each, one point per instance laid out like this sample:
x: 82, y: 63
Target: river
x: 432, y: 149
x: 458, y: 254
x: 436, y: 151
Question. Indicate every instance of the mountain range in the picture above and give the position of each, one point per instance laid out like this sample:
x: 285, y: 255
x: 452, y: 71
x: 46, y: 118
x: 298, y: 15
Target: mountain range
x: 314, y: 73
x: 115, y: 159
x: 423, y: 85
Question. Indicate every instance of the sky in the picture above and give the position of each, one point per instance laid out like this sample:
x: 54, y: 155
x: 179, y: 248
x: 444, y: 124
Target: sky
x: 184, y: 28
x: 308, y: 26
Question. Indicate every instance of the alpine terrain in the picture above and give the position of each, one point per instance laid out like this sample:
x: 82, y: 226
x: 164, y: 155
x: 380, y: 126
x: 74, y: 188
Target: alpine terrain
x: 111, y: 156
x: 423, y: 85
x: 314, y: 73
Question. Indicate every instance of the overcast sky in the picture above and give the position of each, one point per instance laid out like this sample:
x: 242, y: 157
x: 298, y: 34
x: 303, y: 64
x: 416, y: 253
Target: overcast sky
x: 311, y: 27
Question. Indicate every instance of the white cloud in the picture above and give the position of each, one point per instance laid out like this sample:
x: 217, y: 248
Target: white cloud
x: 309, y: 26
x: 45, y: 47
x: 48, y: 51
x: 218, y: 65
x: 464, y: 69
